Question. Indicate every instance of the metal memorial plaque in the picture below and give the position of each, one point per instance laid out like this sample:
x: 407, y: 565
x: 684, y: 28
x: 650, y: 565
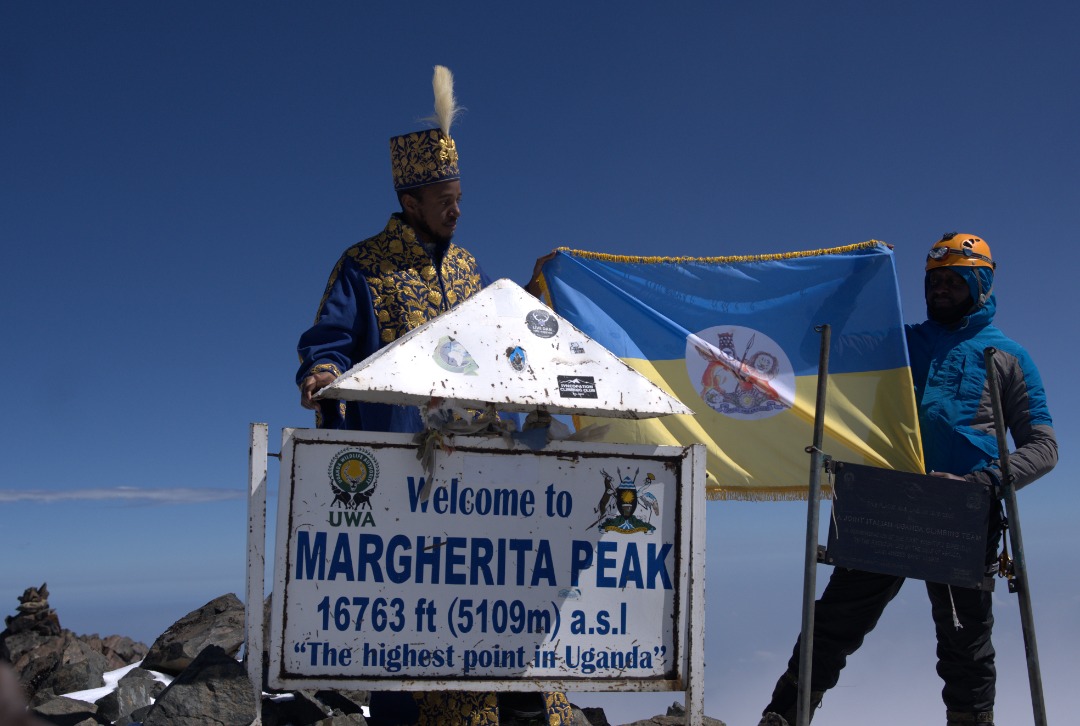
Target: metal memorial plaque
x: 568, y: 567
x: 896, y: 523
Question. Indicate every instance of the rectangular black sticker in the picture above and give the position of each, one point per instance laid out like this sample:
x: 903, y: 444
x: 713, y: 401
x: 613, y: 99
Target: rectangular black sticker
x: 577, y: 387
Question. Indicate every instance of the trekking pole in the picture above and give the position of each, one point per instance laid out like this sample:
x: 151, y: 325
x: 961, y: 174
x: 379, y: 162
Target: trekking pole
x: 806, y: 648
x: 1020, y: 584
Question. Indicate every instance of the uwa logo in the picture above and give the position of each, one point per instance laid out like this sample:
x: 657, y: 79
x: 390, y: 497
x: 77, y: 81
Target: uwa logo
x: 354, y: 474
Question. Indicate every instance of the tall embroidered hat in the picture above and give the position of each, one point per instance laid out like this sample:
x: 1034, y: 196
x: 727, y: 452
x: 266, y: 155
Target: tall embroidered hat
x: 429, y: 156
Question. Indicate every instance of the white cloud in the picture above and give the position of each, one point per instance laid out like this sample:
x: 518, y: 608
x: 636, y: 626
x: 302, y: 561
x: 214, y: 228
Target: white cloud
x: 133, y: 495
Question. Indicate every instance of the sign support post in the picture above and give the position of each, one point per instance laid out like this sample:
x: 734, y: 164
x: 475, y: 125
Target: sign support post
x: 813, y: 508
x: 256, y: 559
x: 1022, y: 588
x: 695, y: 677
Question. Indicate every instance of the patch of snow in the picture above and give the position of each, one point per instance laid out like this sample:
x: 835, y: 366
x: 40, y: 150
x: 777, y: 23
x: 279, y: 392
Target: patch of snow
x: 91, y: 695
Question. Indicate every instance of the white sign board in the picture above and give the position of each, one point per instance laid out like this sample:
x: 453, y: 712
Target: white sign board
x: 569, y: 567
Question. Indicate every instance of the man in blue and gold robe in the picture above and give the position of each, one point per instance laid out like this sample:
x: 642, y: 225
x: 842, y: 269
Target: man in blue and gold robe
x: 380, y: 289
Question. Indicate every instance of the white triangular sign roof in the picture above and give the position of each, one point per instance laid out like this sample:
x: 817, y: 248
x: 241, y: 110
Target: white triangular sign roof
x: 503, y: 346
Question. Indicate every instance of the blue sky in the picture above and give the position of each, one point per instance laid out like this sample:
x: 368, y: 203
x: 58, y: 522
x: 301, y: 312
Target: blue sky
x: 177, y: 179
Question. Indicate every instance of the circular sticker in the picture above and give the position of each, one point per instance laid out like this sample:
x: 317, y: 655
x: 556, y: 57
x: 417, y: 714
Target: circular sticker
x: 452, y: 356
x: 740, y: 372
x: 542, y: 323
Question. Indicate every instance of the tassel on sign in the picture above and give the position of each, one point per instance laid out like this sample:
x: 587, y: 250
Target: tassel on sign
x: 955, y: 617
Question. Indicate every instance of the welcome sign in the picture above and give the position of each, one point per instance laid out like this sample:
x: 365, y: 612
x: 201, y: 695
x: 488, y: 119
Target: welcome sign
x: 570, y: 566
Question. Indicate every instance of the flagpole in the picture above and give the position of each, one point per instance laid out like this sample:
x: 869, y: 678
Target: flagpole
x: 1020, y: 582
x: 813, y: 508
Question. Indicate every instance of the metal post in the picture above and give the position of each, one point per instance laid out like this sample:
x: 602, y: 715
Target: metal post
x: 256, y: 561
x: 1027, y: 617
x: 695, y: 691
x: 813, y: 509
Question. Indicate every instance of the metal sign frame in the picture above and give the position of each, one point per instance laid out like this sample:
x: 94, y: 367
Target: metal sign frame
x: 681, y: 498
x: 1018, y: 581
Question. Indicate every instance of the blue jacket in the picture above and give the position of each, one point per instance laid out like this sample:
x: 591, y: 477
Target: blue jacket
x: 951, y: 390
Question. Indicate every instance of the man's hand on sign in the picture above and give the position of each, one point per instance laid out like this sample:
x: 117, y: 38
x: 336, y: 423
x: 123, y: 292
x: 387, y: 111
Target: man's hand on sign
x: 311, y: 385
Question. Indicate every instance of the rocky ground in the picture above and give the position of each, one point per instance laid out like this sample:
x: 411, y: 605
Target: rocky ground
x: 197, y: 656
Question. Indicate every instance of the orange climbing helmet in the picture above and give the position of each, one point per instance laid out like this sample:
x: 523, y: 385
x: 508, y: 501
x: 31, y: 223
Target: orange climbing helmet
x: 960, y: 250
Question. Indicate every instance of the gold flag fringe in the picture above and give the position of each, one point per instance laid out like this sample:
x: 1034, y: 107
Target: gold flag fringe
x: 764, y: 495
x: 636, y: 259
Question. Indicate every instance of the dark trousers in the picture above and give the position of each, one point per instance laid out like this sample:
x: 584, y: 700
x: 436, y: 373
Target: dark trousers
x: 850, y: 607
x: 853, y: 601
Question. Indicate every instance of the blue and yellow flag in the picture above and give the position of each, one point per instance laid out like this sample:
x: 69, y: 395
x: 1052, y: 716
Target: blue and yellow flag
x: 735, y: 339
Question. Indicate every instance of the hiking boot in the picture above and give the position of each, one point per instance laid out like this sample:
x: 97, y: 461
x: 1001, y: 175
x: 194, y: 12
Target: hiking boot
x: 773, y: 719
x: 967, y: 718
x: 785, y: 703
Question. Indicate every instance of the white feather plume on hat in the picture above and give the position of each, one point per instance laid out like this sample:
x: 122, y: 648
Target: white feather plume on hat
x: 446, y: 108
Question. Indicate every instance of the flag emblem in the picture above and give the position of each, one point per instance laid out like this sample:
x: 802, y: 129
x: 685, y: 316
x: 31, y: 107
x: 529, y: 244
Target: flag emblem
x: 742, y: 373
